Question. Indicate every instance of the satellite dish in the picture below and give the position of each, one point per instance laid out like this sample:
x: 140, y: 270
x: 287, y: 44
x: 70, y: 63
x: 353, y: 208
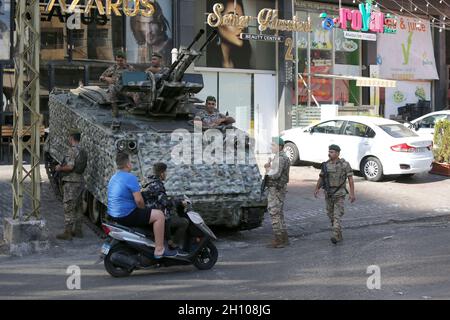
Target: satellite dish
x: 4, y: 103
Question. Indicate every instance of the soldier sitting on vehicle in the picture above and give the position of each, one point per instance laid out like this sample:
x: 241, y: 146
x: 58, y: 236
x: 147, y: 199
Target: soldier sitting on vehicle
x: 156, y: 64
x: 112, y: 77
x: 211, y: 117
x: 155, y: 197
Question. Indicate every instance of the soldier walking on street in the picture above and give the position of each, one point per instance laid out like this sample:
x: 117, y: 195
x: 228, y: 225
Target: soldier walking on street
x: 72, y: 169
x: 333, y: 178
x: 276, y: 179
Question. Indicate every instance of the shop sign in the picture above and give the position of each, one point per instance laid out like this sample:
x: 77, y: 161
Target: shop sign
x: 360, y: 36
x: 75, y: 19
x: 261, y: 37
x: 267, y: 19
x: 130, y: 8
x: 364, y: 20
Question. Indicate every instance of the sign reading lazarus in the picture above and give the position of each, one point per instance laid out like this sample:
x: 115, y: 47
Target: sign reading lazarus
x: 363, y: 19
x: 130, y: 8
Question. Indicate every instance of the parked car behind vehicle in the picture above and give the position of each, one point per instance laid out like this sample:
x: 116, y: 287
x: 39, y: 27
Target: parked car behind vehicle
x: 374, y: 146
x: 424, y: 125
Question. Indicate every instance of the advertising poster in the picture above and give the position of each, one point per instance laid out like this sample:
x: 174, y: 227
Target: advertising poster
x: 229, y: 50
x: 406, y: 92
x: 151, y: 34
x: 407, y: 54
x: 5, y: 30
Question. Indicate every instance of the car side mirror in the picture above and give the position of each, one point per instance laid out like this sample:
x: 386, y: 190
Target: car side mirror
x: 417, y: 126
x: 311, y: 130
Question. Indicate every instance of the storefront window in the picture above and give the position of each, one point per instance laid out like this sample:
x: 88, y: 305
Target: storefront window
x: 235, y: 92
x: 319, y: 53
x: 96, y: 38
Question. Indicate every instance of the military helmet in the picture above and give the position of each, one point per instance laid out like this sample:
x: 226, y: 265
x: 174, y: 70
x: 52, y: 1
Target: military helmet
x: 74, y: 131
x: 334, y: 147
x: 278, y: 141
x: 211, y: 98
x: 121, y: 54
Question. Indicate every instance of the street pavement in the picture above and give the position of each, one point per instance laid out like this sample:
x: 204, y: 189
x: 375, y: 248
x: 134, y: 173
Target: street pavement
x: 399, y: 225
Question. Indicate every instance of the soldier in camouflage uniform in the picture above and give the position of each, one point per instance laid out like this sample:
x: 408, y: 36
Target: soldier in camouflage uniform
x: 73, y: 186
x: 155, y: 197
x: 333, y: 178
x: 112, y: 77
x: 276, y: 179
x: 211, y: 117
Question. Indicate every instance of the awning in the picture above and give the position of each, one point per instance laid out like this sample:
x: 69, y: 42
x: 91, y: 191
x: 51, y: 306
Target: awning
x: 361, y: 81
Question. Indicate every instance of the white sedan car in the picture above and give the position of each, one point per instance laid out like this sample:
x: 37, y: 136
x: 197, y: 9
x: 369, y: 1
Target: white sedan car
x: 424, y: 126
x: 375, y: 146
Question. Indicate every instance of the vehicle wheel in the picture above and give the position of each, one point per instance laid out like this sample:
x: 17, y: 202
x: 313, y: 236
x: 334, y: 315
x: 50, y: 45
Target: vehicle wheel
x: 85, y: 202
x: 113, y: 270
x: 96, y: 210
x: 292, y: 152
x: 207, y: 257
x: 372, y: 169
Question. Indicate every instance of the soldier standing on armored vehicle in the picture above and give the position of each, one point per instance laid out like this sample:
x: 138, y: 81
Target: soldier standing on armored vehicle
x: 211, y: 117
x: 276, y: 180
x: 333, y: 177
x: 72, y: 169
x: 112, y: 77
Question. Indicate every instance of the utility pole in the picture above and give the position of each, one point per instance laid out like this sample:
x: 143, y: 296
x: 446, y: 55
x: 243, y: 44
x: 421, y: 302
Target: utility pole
x: 26, y: 181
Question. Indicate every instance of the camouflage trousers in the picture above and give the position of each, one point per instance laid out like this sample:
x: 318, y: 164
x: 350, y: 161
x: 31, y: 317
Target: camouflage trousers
x: 275, y: 205
x: 72, y: 202
x: 335, y: 211
x: 115, y: 95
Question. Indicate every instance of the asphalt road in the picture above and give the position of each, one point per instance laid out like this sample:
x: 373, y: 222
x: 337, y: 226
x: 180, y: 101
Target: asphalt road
x: 400, y: 226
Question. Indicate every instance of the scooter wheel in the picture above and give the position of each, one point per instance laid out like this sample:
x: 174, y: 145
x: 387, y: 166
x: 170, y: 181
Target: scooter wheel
x: 113, y: 270
x: 207, y: 257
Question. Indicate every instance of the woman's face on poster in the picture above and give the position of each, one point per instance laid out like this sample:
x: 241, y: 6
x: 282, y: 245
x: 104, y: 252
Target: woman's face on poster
x: 232, y: 34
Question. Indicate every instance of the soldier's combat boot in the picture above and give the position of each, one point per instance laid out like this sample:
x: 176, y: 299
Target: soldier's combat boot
x: 285, y: 238
x: 77, y: 230
x: 277, y: 242
x: 66, y: 235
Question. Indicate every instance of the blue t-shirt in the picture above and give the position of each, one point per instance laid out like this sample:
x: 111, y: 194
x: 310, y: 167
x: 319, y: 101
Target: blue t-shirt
x: 120, y: 194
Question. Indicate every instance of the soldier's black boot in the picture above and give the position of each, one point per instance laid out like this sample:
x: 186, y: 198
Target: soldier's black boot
x: 285, y: 238
x: 66, y: 235
x: 277, y: 242
x: 77, y: 230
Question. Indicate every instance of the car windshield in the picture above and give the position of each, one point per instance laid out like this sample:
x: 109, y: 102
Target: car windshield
x: 398, y: 131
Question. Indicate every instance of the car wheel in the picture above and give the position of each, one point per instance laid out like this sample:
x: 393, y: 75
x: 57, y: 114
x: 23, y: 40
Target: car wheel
x: 292, y: 153
x: 372, y: 169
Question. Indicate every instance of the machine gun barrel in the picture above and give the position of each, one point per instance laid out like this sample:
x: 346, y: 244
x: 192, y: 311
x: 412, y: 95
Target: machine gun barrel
x: 197, y: 37
x: 175, y: 64
x: 208, y: 41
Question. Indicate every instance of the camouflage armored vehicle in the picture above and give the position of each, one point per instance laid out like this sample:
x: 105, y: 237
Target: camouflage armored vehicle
x: 225, y: 194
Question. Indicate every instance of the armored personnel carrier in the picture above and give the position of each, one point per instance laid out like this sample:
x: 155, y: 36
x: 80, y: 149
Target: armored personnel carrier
x: 227, y: 193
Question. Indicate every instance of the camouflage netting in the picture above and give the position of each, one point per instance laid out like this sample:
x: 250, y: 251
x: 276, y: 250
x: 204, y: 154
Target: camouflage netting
x: 224, y: 194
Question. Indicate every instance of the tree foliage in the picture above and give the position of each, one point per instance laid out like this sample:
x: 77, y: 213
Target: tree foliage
x: 442, y: 141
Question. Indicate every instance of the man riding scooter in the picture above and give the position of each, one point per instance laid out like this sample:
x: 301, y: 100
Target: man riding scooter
x: 156, y: 198
x: 126, y: 205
